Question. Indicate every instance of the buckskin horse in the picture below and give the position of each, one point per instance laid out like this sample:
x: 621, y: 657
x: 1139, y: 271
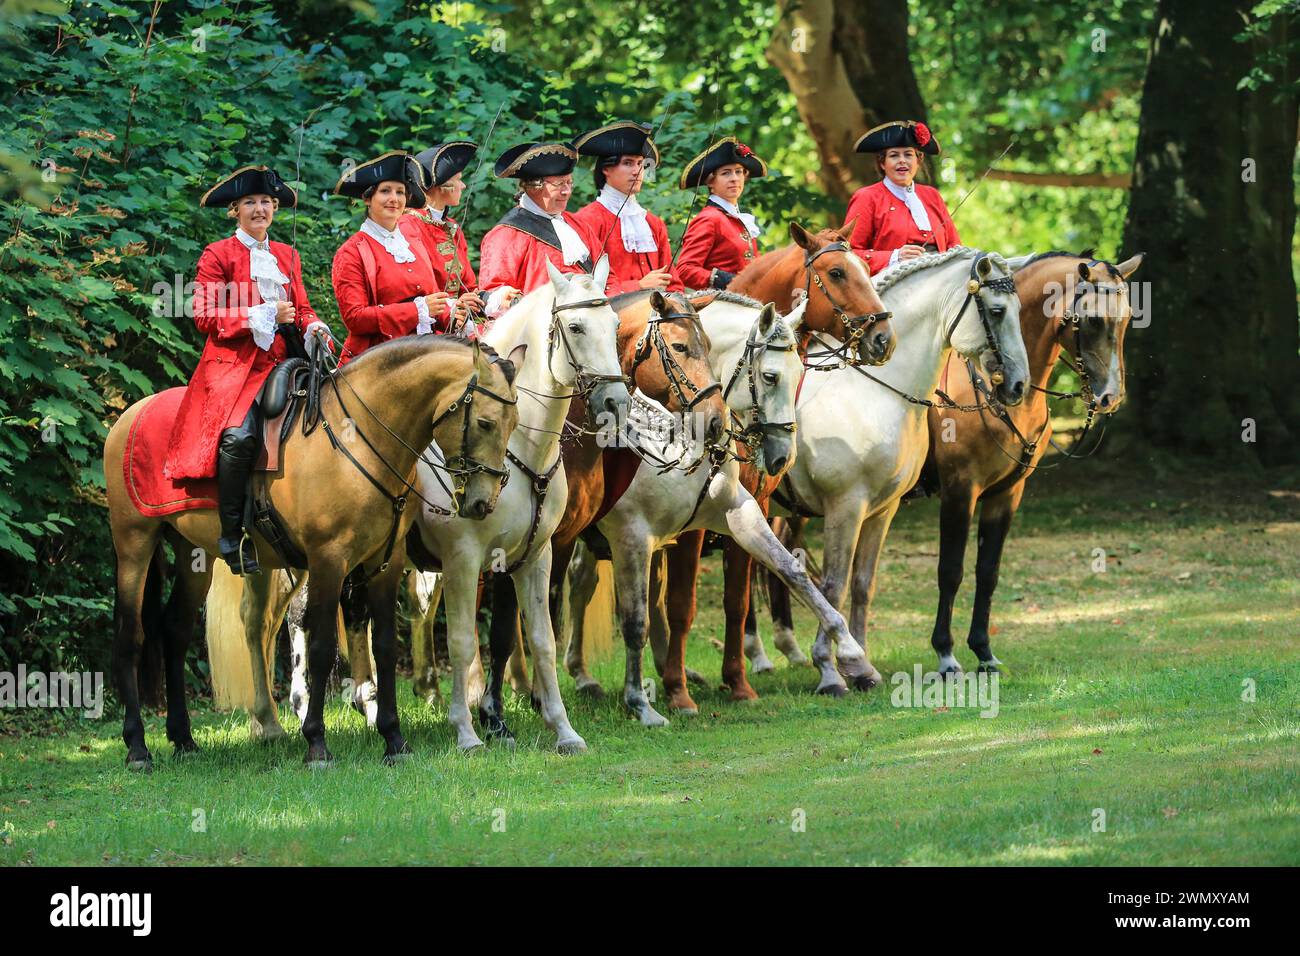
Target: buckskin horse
x: 839, y: 300
x: 984, y: 453
x: 376, y: 414
x: 862, y: 435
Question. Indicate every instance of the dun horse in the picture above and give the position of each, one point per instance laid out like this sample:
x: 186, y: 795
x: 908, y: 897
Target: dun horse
x: 339, y: 500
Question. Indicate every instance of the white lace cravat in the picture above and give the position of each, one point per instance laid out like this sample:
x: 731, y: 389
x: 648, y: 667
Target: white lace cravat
x: 637, y: 236
x: 751, y: 224
x: 392, y: 240
x: 265, y: 270
x: 571, y: 245
x: 913, y: 203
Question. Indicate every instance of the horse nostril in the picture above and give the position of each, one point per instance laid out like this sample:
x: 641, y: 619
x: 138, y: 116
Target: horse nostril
x: 481, y: 508
x: 778, y: 465
x: 882, y: 342
x: 1018, y: 389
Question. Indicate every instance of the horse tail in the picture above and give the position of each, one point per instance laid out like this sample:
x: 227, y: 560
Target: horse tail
x: 150, y: 673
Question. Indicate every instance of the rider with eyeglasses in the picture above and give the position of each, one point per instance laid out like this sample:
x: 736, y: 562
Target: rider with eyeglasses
x: 514, y: 253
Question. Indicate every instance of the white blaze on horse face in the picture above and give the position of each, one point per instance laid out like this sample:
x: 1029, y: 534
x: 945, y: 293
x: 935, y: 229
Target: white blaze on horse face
x: 591, y: 333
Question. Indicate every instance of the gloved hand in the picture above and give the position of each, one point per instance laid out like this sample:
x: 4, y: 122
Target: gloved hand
x: 317, y: 335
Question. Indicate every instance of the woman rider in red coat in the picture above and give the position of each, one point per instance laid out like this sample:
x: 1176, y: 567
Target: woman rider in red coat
x: 721, y: 240
x: 635, y: 239
x: 897, y: 218
x: 443, y: 237
x: 248, y: 293
x: 383, y: 274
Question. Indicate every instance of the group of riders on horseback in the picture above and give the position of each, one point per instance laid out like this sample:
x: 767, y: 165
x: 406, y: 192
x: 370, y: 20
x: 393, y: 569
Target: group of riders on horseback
x: 407, y: 270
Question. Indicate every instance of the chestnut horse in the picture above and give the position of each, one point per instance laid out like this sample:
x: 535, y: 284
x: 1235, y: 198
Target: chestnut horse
x: 340, y: 502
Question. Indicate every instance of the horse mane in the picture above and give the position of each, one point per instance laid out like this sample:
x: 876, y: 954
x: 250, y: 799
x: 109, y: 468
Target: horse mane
x: 736, y: 298
x: 402, y: 349
x: 892, y: 277
x: 1061, y: 253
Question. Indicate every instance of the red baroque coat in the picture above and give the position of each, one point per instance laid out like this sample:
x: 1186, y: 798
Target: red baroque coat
x: 884, y: 224
x: 515, y: 251
x: 376, y: 295
x: 627, y: 269
x: 232, y: 368
x: 450, y: 257
x: 715, y: 239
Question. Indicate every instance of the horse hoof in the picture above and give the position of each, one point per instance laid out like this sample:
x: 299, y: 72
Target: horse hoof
x: 184, y: 747
x: 652, y: 718
x: 266, y: 734
x: 472, y: 749
x: 318, y: 758
x: 864, y: 682
x: 400, y: 756
x: 833, y: 690
x: 591, y: 689
x: 690, y: 710
x: 576, y: 745
x: 989, y: 667
x: 696, y: 678
x: 741, y: 695
x: 140, y: 764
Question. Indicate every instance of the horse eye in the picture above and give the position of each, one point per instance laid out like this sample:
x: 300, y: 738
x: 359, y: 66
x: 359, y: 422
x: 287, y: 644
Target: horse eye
x: 998, y: 311
x: 485, y: 424
x: 679, y: 347
x: 837, y: 274
x: 769, y: 378
x: 575, y: 328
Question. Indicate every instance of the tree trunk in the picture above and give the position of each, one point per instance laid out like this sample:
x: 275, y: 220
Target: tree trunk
x: 1213, y: 207
x: 846, y: 61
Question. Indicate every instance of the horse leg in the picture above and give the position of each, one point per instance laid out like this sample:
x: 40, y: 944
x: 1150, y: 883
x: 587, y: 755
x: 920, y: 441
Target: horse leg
x: 296, y: 618
x: 357, y: 626
x: 322, y: 650
x: 778, y: 596
x: 955, y: 511
x: 657, y: 627
x: 381, y: 602
x: 460, y: 591
x: 532, y: 591
x: 682, y: 562
x: 995, y: 522
x: 583, y: 578
x: 135, y: 551
x: 866, y: 559
x: 189, y: 588
x: 260, y: 597
x: 737, y: 568
x: 424, y: 590
x: 759, y: 662
x: 631, y: 584
x: 502, y: 644
x: 843, y: 523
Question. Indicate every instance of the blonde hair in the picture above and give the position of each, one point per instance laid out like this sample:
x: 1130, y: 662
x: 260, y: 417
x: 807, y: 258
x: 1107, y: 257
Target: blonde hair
x: 232, y: 210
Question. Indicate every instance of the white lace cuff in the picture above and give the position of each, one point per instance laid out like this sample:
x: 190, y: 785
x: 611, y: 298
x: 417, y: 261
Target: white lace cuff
x: 261, y: 322
x: 425, y: 325
x: 494, y: 305
x: 893, y: 257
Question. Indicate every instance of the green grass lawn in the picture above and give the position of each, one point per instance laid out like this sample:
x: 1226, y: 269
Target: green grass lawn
x: 1123, y: 694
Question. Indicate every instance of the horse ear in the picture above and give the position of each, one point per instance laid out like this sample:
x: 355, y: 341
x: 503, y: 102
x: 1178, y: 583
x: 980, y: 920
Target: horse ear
x: 845, y: 232
x: 658, y: 302
x: 557, y: 277
x: 515, y: 361
x: 766, y: 318
x: 794, y: 318
x: 482, y: 363
x: 1130, y: 266
x: 1084, y: 271
x: 799, y: 235
x: 600, y: 275
x: 985, y: 267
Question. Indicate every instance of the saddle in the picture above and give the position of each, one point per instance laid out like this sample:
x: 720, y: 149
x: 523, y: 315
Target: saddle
x: 281, y: 396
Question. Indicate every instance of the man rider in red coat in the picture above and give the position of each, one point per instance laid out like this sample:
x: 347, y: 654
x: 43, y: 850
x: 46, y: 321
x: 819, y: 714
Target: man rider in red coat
x: 248, y: 294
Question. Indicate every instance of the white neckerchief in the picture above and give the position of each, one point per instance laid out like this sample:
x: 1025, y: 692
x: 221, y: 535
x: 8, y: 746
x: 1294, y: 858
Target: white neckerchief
x: 571, y: 244
x: 751, y: 225
x: 912, y: 201
x: 393, y: 242
x: 264, y: 268
x: 637, y: 236
x: 435, y: 213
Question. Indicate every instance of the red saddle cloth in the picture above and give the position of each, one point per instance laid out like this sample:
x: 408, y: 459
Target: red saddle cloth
x: 620, y: 465
x: 142, y: 465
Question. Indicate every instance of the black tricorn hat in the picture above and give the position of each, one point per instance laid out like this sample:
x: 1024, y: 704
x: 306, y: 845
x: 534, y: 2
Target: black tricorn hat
x: 623, y: 138
x: 535, y: 160
x: 724, y: 152
x: 249, y: 181
x: 445, y: 160
x: 394, y: 166
x: 897, y: 133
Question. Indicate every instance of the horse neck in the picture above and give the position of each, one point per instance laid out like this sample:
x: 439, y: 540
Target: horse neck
x: 423, y: 381
x: 774, y: 282
x: 541, y: 414
x: 926, y: 303
x: 1040, y: 330
x: 728, y: 326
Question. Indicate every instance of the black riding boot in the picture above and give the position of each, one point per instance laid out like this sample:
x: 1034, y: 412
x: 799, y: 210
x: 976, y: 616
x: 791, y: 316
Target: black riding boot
x: 235, y: 457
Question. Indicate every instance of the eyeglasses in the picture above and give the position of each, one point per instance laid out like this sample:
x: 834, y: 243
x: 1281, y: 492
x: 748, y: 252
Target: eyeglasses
x: 559, y: 186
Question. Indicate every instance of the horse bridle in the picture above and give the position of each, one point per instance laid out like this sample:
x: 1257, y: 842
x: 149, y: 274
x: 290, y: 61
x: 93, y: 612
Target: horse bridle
x: 752, y: 435
x: 855, y: 325
x: 584, y: 382
x: 678, y: 381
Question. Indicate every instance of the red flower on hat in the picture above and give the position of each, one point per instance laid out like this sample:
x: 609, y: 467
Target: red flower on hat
x: 922, y: 134
x: 743, y: 150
